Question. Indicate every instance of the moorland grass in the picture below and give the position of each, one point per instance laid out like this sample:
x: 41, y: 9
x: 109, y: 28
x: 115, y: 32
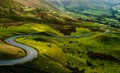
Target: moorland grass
x: 10, y: 52
x: 53, y: 57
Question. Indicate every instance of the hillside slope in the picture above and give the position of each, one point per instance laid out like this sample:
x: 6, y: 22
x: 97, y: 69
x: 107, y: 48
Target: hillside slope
x: 36, y: 3
x: 29, y: 10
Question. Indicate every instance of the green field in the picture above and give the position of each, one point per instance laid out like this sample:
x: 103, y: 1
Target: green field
x: 90, y: 54
x: 95, y: 53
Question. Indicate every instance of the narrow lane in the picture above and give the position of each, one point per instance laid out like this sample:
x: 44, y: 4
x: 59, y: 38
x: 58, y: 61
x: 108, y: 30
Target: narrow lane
x: 31, y: 52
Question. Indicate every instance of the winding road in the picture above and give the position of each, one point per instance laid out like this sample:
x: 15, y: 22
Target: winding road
x: 31, y: 52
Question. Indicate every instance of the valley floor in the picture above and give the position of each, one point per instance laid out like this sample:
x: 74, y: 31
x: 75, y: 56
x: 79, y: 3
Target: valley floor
x: 97, y: 53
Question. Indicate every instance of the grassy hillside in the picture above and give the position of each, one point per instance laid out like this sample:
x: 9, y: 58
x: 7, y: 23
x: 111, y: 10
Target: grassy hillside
x: 95, y: 53
x: 30, y: 11
x: 35, y: 3
x: 10, y: 52
x: 46, y: 56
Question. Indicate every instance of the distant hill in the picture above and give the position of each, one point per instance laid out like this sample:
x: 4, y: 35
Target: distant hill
x: 96, y: 7
x: 87, y: 6
x: 91, y: 10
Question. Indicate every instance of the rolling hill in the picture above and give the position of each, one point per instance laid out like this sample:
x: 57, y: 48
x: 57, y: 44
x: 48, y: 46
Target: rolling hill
x: 83, y: 5
x: 90, y: 10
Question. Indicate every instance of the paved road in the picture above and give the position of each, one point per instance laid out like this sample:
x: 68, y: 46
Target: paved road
x: 31, y: 52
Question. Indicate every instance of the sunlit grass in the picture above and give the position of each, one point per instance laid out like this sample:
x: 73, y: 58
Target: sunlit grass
x: 49, y: 51
x: 29, y: 28
x: 10, y: 52
x: 63, y: 55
